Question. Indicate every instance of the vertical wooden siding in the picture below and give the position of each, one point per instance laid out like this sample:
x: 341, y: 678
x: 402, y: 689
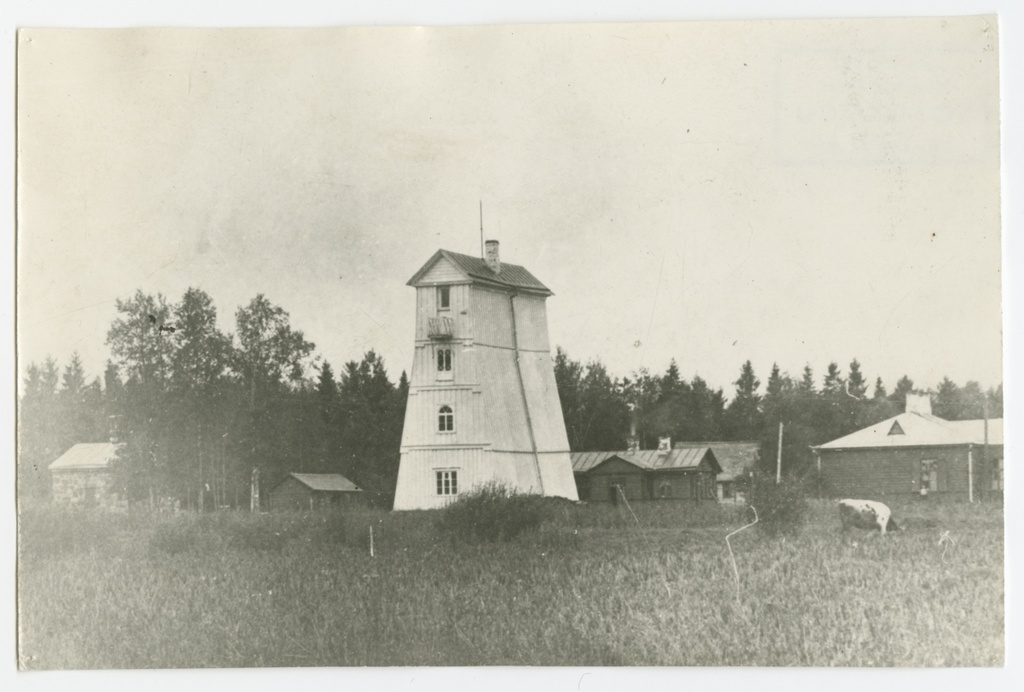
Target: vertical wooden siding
x: 458, y: 311
x: 532, y: 323
x: 492, y: 317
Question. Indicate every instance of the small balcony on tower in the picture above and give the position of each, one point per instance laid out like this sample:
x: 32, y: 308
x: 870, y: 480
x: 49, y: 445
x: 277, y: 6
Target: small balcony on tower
x: 440, y: 328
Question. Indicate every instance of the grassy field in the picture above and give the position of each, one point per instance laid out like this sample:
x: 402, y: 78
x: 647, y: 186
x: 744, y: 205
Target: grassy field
x: 590, y: 588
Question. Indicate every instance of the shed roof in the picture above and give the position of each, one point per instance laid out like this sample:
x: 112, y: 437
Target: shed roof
x: 86, y: 455
x: 920, y: 430
x: 477, y: 271
x: 330, y: 482
x: 648, y: 459
x: 735, y: 458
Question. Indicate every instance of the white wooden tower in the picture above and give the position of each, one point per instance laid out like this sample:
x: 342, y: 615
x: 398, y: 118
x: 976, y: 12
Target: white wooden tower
x: 483, y: 406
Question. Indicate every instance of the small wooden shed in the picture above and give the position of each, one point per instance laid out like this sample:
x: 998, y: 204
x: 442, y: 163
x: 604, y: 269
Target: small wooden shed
x: 667, y: 474
x: 312, y: 491
x: 83, y: 477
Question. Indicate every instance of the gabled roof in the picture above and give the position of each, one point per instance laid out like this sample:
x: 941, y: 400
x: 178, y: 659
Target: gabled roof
x: 920, y: 430
x: 648, y: 459
x: 87, y: 455
x: 735, y: 458
x: 330, y: 482
x: 476, y: 270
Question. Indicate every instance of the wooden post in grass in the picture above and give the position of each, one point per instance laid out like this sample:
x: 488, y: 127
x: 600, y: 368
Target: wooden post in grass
x: 254, y: 490
x: 970, y: 473
x: 778, y: 459
x: 371, y: 541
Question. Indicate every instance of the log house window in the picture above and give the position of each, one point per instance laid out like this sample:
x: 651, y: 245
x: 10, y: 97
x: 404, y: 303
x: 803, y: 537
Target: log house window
x: 445, y: 419
x: 447, y: 482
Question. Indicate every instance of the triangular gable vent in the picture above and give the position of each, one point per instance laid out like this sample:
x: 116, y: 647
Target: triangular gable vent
x: 896, y: 429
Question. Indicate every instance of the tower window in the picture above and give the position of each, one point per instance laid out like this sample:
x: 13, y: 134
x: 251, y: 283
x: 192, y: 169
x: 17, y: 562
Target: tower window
x: 447, y: 482
x: 444, y: 297
x: 444, y: 360
x: 445, y: 419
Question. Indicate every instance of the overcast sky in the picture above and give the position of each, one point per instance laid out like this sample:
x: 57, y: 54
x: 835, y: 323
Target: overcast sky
x: 790, y: 191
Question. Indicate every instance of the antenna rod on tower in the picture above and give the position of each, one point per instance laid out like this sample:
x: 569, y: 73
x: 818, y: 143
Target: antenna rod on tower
x: 481, y: 229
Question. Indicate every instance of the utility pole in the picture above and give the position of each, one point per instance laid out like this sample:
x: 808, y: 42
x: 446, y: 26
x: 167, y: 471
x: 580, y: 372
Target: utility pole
x: 778, y: 459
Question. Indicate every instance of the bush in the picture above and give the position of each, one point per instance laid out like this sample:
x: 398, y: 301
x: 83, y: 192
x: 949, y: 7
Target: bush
x: 494, y: 513
x: 781, y: 507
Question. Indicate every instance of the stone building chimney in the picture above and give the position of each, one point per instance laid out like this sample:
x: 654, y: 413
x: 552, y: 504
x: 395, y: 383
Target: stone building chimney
x: 919, y: 403
x: 491, y: 256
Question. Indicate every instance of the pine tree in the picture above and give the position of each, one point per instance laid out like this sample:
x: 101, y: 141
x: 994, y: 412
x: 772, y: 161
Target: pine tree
x: 568, y: 381
x: 857, y: 386
x: 807, y: 381
x: 744, y: 417
x: 73, y: 380
x: 327, y: 394
x: 904, y: 386
x: 946, y: 402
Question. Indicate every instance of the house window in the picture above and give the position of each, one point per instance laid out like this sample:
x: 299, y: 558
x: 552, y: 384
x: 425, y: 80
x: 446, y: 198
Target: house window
x: 997, y: 474
x: 896, y: 428
x: 445, y: 419
x: 447, y: 482
x: 665, y: 489
x: 929, y: 476
x: 444, y: 297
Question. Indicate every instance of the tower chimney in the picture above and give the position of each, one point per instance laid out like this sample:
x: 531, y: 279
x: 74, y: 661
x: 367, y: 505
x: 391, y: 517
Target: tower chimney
x: 491, y: 256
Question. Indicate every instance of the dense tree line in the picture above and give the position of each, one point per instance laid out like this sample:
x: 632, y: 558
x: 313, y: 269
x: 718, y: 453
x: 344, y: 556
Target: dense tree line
x: 599, y: 409
x: 197, y: 408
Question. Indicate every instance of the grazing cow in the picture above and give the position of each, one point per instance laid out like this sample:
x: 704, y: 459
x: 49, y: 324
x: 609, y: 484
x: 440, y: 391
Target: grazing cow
x: 866, y: 514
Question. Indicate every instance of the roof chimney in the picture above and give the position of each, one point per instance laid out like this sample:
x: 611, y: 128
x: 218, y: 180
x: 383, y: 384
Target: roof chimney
x: 632, y: 442
x: 491, y: 256
x: 664, y: 446
x: 919, y: 403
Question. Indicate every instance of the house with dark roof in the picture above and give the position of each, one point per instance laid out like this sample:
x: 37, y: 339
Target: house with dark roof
x: 916, y: 454
x: 298, y: 491
x: 737, y: 459
x: 657, y: 474
x: 83, y: 476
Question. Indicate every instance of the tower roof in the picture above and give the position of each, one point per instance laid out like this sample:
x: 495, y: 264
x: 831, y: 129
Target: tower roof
x: 475, y: 270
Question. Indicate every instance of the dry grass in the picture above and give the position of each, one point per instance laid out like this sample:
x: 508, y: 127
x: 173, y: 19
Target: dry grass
x: 231, y: 590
